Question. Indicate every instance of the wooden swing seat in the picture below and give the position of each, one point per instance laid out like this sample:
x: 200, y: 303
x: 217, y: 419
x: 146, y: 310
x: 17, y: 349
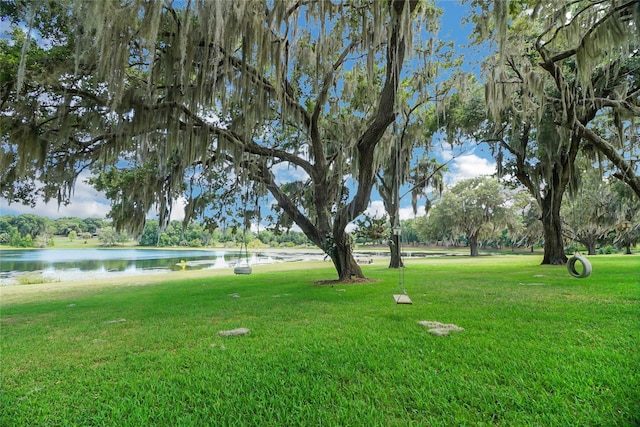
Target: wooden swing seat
x: 242, y: 269
x: 402, y: 299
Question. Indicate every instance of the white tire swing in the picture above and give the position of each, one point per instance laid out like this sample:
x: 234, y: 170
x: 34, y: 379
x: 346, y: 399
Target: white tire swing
x: 580, y: 273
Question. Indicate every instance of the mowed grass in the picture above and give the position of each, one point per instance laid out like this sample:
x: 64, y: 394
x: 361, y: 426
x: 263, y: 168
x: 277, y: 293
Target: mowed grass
x: 539, y: 348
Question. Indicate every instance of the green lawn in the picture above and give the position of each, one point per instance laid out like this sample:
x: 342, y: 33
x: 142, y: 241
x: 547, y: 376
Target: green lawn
x: 539, y: 348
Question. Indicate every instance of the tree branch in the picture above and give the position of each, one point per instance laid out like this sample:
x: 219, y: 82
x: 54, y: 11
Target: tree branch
x: 626, y: 170
x: 570, y: 52
x: 316, y: 142
x: 384, y: 116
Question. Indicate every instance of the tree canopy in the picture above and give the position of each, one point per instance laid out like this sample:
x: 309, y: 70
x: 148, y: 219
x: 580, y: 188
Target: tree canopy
x: 472, y: 207
x: 208, y: 99
x: 560, y: 71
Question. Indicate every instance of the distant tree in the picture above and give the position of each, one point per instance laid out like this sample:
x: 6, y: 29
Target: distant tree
x: 25, y: 242
x: 472, y: 207
x: 196, y: 235
x: 7, y: 230
x: 409, y: 231
x: 43, y: 240
x: 428, y: 232
x: 371, y: 228
x: 63, y: 226
x: 108, y: 236
x: 627, y: 208
x: 530, y: 233
x: 86, y: 236
x: 10, y: 236
x: 171, y: 235
x: 92, y: 225
x: 73, y: 235
x: 265, y: 237
x: 149, y: 235
x: 31, y: 224
x: 590, y: 213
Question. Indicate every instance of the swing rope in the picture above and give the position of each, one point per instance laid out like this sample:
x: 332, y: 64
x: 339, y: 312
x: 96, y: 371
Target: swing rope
x: 244, y: 267
x: 577, y: 257
x: 403, y: 297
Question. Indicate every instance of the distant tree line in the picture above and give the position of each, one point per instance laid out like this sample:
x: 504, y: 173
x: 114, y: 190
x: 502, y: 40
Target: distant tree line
x: 601, y: 217
x: 30, y: 230
x: 197, y: 235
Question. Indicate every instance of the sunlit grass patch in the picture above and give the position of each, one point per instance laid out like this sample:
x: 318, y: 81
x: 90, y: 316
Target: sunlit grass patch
x: 538, y: 348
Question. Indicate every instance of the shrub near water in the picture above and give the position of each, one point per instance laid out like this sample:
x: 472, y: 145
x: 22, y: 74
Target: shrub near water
x: 538, y: 348
x: 33, y: 278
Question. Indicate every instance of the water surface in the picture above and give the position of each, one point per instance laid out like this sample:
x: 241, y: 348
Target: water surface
x: 75, y: 264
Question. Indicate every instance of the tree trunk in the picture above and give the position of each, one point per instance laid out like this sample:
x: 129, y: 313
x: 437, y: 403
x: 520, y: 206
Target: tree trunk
x: 473, y: 244
x: 396, y: 255
x: 552, y: 228
x: 590, y: 241
x: 341, y: 254
x: 338, y: 245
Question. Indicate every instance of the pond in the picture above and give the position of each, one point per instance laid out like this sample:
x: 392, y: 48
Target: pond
x: 77, y: 264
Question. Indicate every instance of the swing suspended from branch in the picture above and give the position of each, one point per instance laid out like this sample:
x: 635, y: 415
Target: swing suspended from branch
x: 242, y: 266
x: 403, y: 297
x: 578, y: 258
x: 581, y: 273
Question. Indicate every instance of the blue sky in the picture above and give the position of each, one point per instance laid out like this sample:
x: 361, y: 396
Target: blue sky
x: 87, y: 202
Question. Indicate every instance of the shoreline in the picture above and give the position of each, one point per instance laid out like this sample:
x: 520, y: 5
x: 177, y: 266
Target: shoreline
x: 12, y: 294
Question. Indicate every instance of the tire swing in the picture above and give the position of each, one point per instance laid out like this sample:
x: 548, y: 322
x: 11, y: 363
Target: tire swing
x: 577, y: 257
x: 242, y: 265
x: 579, y: 273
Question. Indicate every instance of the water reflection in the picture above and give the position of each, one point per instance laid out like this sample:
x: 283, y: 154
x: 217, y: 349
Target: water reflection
x: 74, y: 264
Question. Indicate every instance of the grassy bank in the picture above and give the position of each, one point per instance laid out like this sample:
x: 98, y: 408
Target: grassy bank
x: 538, y: 348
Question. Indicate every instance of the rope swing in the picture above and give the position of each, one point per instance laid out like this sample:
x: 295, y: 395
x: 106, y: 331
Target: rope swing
x: 403, y: 297
x: 243, y: 267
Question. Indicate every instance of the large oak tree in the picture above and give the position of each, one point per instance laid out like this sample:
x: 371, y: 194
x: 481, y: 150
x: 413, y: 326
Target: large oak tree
x: 559, y: 65
x: 207, y: 99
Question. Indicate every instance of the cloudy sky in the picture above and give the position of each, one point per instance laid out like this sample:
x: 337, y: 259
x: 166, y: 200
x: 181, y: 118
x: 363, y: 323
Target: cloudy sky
x: 469, y: 165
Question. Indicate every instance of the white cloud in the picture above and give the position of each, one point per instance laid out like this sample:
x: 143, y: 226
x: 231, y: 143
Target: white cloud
x: 86, y: 202
x: 376, y: 209
x: 177, y: 210
x: 446, y: 154
x: 469, y: 166
x: 286, y: 173
x: 407, y: 213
